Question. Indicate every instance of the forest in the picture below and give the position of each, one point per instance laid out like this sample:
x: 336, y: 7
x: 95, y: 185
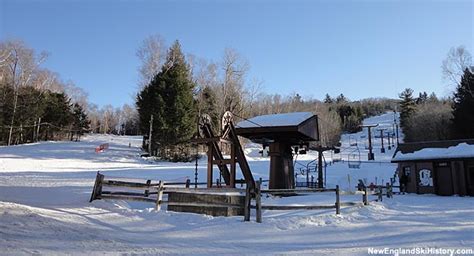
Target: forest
x: 177, y: 87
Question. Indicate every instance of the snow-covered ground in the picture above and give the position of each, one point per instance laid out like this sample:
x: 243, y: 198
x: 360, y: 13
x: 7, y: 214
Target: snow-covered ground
x: 45, y: 189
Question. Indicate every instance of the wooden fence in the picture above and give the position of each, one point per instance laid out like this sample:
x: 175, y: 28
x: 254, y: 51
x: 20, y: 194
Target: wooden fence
x: 153, y: 193
x: 380, y: 191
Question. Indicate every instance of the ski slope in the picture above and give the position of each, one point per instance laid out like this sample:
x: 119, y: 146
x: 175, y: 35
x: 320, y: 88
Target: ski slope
x: 44, y: 209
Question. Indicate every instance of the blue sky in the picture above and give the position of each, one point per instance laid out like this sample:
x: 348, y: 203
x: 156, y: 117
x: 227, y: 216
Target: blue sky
x: 359, y: 48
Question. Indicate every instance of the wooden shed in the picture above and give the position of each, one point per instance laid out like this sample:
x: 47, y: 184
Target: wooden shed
x: 439, y: 167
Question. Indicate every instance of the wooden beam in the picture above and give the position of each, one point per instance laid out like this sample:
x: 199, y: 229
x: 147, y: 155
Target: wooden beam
x: 210, y: 156
x: 298, y: 207
x: 128, y: 198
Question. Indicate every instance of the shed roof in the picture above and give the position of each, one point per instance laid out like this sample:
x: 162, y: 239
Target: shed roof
x: 295, y: 128
x: 434, y: 150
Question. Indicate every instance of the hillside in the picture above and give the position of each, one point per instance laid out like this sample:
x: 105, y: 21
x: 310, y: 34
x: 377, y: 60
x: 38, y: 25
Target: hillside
x: 44, y: 207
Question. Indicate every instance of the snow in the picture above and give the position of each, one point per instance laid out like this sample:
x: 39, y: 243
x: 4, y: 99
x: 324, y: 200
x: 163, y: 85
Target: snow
x: 462, y: 150
x: 44, y: 209
x: 285, y: 119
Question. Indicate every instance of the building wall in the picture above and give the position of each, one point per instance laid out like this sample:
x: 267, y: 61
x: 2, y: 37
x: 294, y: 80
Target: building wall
x: 447, y: 177
x: 424, y: 177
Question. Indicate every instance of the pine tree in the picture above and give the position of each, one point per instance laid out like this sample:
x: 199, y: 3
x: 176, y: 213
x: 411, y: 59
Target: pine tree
x: 169, y: 98
x: 80, y: 123
x: 208, y: 106
x: 463, y: 107
x: 328, y: 99
x: 341, y: 99
x: 407, y: 106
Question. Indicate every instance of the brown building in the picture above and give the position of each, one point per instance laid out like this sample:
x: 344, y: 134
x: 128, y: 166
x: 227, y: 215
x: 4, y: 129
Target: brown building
x: 440, y: 167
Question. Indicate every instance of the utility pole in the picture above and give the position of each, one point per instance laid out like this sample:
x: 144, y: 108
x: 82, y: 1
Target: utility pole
x: 382, y: 150
x: 371, y: 155
x: 149, y: 135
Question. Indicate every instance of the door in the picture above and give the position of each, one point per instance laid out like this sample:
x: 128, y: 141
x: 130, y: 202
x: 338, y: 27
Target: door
x: 444, y: 179
x: 470, y: 179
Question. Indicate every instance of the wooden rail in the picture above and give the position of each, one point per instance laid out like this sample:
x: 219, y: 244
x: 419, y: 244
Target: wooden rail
x: 380, y: 191
x: 161, y: 188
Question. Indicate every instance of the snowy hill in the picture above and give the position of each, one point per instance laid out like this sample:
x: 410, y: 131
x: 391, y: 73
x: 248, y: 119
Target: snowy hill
x: 44, y: 208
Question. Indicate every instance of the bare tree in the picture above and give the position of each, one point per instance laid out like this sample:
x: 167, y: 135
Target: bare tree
x: 77, y: 94
x: 457, y: 60
x: 22, y: 63
x: 231, y: 92
x: 152, y: 54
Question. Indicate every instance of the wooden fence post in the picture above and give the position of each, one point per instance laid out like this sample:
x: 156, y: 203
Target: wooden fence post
x: 366, y: 196
x: 159, y: 197
x: 247, y: 204
x: 258, y: 204
x: 388, y: 190
x: 338, y: 202
x: 97, y: 190
x: 147, y: 191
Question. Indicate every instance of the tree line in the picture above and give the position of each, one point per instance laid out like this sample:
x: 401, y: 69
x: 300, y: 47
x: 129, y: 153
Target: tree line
x: 175, y: 88
x: 429, y: 118
x: 35, y: 103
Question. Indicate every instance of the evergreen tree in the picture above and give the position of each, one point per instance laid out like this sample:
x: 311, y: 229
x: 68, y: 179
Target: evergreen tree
x: 80, y: 122
x: 422, y: 98
x: 463, y: 107
x: 341, y: 99
x: 328, y: 99
x: 169, y: 98
x: 208, y: 105
x: 407, y: 106
x: 57, y: 113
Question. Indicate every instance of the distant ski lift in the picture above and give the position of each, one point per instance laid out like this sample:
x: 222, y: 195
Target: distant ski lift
x: 353, y: 159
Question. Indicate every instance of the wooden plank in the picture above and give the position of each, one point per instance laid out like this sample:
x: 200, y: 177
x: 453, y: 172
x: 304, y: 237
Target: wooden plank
x: 168, y: 190
x: 244, y: 165
x: 147, y: 191
x: 297, y: 207
x: 258, y: 202
x: 125, y: 184
x: 232, y: 166
x: 247, y: 204
x: 123, y: 193
x: 351, y: 204
x: 97, y: 189
x: 365, y: 197
x: 128, y: 198
x: 204, y: 204
x: 210, y: 156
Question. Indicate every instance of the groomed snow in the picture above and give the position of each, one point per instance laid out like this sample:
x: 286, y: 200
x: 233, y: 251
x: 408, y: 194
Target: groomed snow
x: 44, y: 208
x: 285, y: 119
x: 462, y: 150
